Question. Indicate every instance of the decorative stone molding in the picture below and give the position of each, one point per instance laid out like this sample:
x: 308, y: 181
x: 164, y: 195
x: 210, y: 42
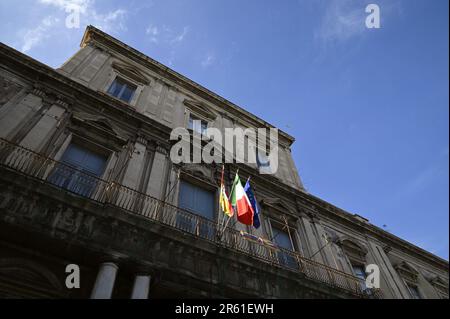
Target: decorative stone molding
x: 278, y: 209
x: 332, y: 235
x: 8, y: 89
x: 161, y: 149
x: 38, y: 91
x: 199, y: 171
x: 276, y: 203
x: 353, y: 249
x: 407, y: 272
x: 63, y: 102
x: 201, y: 109
x: 439, y: 284
x: 140, y: 138
x: 100, y: 122
x: 305, y: 212
x: 131, y: 72
x: 387, y: 249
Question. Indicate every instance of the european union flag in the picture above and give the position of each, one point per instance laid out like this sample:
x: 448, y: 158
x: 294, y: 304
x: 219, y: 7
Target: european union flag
x: 251, y: 197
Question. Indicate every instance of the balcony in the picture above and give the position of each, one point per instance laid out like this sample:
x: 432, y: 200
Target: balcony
x: 73, y: 180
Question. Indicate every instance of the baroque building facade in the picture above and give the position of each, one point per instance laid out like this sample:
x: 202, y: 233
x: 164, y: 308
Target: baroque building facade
x: 86, y: 179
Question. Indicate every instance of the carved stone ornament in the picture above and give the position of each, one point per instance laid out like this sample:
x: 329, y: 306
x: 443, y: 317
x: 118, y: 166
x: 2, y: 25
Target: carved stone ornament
x: 8, y: 89
x: 100, y: 122
x: 407, y: 271
x: 200, y: 109
x: 131, y: 72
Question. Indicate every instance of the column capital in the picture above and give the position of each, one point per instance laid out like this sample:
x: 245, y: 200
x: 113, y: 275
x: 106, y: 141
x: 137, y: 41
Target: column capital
x: 38, y: 90
x: 160, y: 148
x: 142, y: 270
x: 140, y: 138
x: 63, y: 102
x: 110, y: 263
x: 114, y: 258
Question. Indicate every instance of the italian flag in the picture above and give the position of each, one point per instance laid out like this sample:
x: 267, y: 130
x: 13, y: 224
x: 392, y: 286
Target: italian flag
x: 241, y: 202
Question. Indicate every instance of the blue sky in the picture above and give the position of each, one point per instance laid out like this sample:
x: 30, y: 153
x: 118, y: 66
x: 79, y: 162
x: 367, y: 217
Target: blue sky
x: 368, y: 107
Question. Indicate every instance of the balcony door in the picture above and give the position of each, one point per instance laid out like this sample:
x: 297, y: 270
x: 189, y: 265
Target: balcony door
x: 80, y: 175
x: 199, y: 202
x: 283, y: 240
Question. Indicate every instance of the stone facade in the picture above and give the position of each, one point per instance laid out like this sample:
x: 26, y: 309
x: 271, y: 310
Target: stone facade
x: 124, y: 230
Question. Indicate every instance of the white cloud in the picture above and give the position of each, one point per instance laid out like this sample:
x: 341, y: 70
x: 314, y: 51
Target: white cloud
x: 208, y: 60
x: 50, y: 26
x: 80, y: 5
x: 165, y: 34
x: 35, y: 36
x: 180, y: 37
x: 153, y: 32
x: 110, y: 22
x: 346, y: 19
x: 342, y: 20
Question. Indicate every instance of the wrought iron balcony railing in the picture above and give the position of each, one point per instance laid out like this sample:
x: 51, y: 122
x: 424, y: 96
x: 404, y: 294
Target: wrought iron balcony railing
x: 82, y: 183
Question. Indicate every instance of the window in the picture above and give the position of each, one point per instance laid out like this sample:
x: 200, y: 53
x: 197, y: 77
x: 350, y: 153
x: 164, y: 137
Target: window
x: 414, y: 291
x: 122, y: 90
x: 200, y: 202
x: 360, y: 272
x: 82, y: 171
x: 197, y: 125
x: 282, y: 239
x: 410, y: 277
x: 356, y: 254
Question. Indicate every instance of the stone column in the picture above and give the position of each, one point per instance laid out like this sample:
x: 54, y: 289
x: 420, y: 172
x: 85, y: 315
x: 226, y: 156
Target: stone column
x: 104, y: 284
x: 133, y: 173
x: 12, y: 118
x: 45, y: 126
x: 141, y: 286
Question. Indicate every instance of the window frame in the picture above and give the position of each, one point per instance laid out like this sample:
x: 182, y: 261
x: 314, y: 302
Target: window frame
x: 127, y: 84
x: 197, y: 224
x: 274, y: 223
x: 411, y: 287
x: 282, y: 256
x: 140, y: 86
x: 91, y: 147
x: 204, y: 124
x: 201, y: 183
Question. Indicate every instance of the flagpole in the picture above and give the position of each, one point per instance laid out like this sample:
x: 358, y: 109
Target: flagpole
x: 220, y: 196
x: 232, y: 189
x: 289, y: 232
x: 226, y: 224
x: 250, y: 229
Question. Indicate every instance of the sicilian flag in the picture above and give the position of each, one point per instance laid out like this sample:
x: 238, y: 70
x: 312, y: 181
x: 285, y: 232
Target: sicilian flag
x: 251, y: 197
x: 223, y: 199
x: 241, y: 202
